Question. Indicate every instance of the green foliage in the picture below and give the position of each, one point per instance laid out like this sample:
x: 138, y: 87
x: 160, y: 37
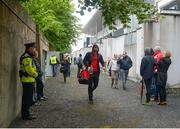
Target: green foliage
x: 120, y: 9
x: 56, y: 21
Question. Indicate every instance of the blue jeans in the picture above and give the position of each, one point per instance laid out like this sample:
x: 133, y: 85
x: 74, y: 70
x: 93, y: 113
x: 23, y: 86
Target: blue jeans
x: 123, y: 77
x: 153, y: 88
x: 54, y: 69
x: 39, y: 87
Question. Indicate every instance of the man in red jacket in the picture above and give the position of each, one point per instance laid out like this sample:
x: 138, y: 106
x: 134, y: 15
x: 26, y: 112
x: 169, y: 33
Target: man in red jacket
x: 158, y: 55
x: 92, y: 60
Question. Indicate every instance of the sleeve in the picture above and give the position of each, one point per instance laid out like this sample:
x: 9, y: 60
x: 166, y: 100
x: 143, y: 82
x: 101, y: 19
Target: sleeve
x: 119, y: 62
x: 102, y: 61
x: 142, y: 66
x: 85, y: 60
x: 57, y: 61
x: 130, y: 62
x: 27, y: 62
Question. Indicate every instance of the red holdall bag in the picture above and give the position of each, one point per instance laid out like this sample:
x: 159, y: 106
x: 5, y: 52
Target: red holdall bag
x: 83, y: 77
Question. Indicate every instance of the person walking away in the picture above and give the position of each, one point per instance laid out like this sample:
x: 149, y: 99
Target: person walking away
x: 68, y: 58
x: 27, y: 76
x: 79, y: 64
x: 92, y: 60
x: 147, y: 71
x: 109, y: 66
x: 163, y: 66
x: 114, y: 71
x: 54, y: 62
x: 75, y: 60
x: 39, y: 81
x: 125, y: 64
x: 158, y: 55
x: 64, y: 68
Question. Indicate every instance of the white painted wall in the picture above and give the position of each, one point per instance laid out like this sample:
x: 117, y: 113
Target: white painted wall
x: 170, y: 40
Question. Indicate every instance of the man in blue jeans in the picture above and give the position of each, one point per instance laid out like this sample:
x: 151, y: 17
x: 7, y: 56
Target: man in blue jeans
x: 125, y: 64
x: 39, y: 81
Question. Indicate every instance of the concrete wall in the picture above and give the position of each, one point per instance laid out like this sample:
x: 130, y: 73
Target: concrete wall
x: 166, y: 33
x: 16, y: 28
x: 170, y: 40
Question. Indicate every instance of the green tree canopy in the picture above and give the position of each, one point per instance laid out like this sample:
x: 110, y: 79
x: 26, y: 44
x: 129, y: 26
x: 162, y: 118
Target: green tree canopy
x: 56, y: 20
x: 119, y: 9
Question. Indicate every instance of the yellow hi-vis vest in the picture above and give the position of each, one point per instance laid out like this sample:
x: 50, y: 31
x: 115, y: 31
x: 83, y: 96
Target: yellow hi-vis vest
x: 27, y: 65
x: 53, y: 60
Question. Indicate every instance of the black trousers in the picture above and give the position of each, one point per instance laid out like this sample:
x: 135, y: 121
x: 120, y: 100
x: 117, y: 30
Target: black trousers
x: 162, y: 92
x: 93, y: 83
x: 148, y: 89
x: 27, y: 99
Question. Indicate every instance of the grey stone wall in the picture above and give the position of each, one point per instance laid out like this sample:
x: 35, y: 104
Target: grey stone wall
x: 16, y: 28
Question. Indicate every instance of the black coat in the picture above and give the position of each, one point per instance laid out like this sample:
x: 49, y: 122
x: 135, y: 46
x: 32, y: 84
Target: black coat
x: 163, y: 66
x: 88, y: 60
x: 147, y: 67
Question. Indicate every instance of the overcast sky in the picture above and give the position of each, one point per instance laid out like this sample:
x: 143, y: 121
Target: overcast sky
x: 83, y: 21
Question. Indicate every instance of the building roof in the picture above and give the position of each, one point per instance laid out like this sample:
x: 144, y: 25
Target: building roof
x: 94, y: 25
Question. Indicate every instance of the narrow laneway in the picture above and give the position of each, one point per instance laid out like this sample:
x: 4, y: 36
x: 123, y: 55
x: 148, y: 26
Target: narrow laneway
x: 68, y: 106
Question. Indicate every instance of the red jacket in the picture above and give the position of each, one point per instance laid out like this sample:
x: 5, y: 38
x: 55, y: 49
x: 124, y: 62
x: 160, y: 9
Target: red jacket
x: 158, y: 55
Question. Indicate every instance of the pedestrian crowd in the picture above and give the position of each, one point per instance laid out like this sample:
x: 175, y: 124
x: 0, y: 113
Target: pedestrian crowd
x: 153, y: 69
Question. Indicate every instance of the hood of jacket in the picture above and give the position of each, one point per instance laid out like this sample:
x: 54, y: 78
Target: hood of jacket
x: 147, y: 52
x: 95, y: 45
x: 167, y: 60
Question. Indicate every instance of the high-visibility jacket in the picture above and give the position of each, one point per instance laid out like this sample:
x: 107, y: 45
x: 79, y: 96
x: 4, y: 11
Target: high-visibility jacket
x: 27, y: 66
x: 53, y: 60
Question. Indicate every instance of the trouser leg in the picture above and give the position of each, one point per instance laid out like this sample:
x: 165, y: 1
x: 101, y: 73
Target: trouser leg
x: 123, y: 79
x: 93, y: 83
x: 90, y: 88
x: 53, y: 70
x: 27, y: 99
x: 78, y: 71
x: 148, y: 89
x: 165, y: 95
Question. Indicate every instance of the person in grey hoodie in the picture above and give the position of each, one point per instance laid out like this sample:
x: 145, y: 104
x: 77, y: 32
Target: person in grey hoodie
x: 147, y: 70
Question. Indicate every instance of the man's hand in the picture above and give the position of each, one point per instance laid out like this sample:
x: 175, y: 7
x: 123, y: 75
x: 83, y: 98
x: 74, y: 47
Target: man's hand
x: 104, y: 69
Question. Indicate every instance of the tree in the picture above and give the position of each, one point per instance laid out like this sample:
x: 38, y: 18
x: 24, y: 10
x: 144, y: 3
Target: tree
x: 119, y: 9
x: 56, y: 21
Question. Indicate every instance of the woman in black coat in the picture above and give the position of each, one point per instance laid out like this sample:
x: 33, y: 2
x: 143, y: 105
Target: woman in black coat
x: 64, y: 69
x: 163, y: 67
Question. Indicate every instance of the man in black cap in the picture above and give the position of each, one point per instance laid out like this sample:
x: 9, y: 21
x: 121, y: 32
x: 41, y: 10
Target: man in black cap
x: 27, y: 74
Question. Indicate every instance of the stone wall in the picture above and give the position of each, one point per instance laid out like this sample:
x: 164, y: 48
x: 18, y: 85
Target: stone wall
x: 16, y: 28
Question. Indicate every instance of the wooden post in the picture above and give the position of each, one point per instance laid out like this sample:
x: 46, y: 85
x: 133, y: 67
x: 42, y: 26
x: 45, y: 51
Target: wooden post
x: 38, y: 43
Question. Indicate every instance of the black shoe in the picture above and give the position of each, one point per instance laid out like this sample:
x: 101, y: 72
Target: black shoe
x: 32, y: 117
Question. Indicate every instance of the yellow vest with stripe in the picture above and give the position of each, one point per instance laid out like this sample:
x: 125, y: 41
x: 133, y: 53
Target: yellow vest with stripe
x: 27, y: 65
x: 53, y: 60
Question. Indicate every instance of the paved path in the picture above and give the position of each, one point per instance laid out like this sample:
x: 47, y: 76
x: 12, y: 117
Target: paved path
x: 68, y: 106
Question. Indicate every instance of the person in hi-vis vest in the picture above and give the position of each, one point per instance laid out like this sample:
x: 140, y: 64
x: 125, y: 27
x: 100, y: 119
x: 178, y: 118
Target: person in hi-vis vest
x: 28, y: 74
x: 53, y: 62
